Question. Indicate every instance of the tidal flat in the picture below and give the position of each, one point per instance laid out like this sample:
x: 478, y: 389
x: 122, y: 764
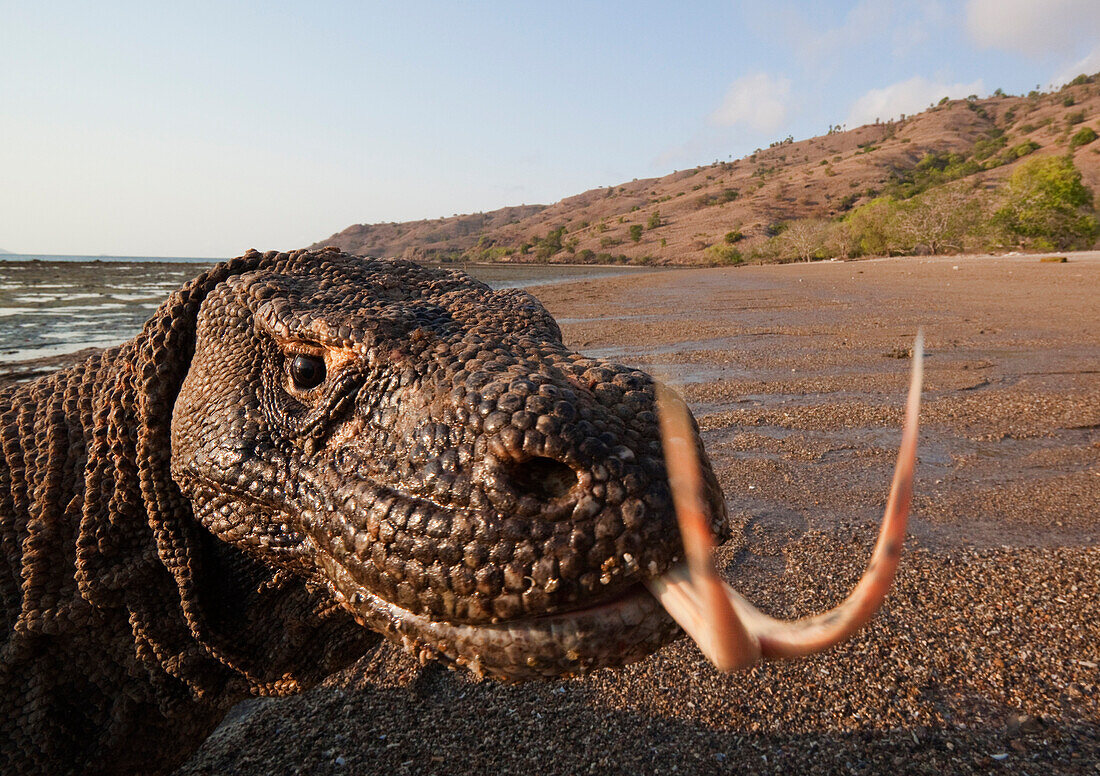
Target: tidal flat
x: 53, y: 307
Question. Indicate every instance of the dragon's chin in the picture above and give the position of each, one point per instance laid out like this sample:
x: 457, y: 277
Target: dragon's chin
x: 612, y: 633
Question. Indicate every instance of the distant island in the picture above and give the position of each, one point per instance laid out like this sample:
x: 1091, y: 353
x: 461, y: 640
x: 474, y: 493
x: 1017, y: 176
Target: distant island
x: 5, y: 253
x: 1000, y: 173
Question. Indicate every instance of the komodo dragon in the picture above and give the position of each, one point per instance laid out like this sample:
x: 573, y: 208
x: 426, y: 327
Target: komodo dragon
x: 297, y: 446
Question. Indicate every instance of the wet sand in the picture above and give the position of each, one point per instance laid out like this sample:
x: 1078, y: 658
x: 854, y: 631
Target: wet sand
x: 985, y: 658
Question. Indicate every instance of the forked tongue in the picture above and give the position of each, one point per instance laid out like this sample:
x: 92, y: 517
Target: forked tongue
x: 729, y: 630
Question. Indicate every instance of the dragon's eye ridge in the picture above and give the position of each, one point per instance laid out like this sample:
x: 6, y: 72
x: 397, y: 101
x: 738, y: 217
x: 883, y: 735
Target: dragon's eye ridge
x: 307, y: 371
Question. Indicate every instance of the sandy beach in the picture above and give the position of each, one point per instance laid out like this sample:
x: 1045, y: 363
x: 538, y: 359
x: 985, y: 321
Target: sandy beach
x: 985, y: 657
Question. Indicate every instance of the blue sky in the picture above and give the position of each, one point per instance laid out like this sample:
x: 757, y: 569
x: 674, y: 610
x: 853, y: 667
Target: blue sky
x: 203, y: 129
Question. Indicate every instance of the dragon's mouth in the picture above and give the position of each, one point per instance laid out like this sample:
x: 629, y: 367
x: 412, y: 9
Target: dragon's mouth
x: 429, y: 558
x: 612, y: 632
x: 644, y: 616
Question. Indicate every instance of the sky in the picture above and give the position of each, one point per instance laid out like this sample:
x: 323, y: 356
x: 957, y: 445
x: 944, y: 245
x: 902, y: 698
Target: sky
x: 207, y: 128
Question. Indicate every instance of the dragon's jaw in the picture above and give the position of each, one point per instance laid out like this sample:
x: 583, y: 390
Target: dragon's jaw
x: 728, y: 629
x: 611, y: 633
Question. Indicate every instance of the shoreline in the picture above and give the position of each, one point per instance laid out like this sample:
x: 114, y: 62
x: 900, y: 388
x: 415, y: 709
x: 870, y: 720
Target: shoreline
x: 61, y: 258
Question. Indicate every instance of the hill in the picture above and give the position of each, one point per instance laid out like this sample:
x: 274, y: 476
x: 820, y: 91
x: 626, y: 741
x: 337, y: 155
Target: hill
x: 697, y: 216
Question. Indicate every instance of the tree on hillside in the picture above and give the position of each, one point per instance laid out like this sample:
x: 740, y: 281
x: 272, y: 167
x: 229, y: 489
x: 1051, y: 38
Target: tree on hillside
x: 550, y: 244
x: 842, y: 241
x: 939, y: 219
x: 871, y: 225
x: 1047, y: 206
x: 804, y: 238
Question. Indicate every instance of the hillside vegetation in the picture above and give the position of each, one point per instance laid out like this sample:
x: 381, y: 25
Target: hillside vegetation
x: 1004, y: 172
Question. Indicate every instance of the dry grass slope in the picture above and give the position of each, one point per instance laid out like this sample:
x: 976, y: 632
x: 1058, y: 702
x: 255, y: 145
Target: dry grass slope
x: 685, y: 217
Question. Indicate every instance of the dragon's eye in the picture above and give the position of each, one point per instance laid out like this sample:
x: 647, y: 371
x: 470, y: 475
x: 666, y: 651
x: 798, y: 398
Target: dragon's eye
x: 307, y: 371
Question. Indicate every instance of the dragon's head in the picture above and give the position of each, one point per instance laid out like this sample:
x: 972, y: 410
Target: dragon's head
x: 429, y: 451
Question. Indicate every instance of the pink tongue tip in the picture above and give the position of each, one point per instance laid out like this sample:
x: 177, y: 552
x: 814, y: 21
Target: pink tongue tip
x: 729, y: 630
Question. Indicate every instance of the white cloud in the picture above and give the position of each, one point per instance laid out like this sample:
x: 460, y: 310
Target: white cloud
x: 758, y: 101
x: 910, y: 96
x: 1032, y: 27
x: 827, y: 41
x: 1088, y: 65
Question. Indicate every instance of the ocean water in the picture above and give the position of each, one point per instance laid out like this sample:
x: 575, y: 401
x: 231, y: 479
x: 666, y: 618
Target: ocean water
x: 51, y: 305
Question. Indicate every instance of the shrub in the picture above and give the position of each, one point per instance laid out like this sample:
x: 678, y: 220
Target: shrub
x: 733, y: 237
x: 847, y: 201
x: 1009, y: 155
x: 870, y: 227
x: 1075, y: 118
x: 723, y: 254
x: 933, y: 169
x: 1046, y: 204
x: 840, y: 241
x: 550, y: 244
x: 1082, y: 137
x: 488, y: 253
x: 989, y: 145
x: 721, y: 198
x: 1025, y: 148
x: 654, y: 220
x: 939, y: 220
x: 803, y: 239
x: 636, y: 232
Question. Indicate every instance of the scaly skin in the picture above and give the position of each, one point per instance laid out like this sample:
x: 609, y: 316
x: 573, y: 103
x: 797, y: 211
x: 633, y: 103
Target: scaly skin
x: 297, y: 446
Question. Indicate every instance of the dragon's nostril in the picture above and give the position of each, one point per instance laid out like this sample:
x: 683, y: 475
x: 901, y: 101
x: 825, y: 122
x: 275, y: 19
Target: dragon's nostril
x: 543, y: 478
